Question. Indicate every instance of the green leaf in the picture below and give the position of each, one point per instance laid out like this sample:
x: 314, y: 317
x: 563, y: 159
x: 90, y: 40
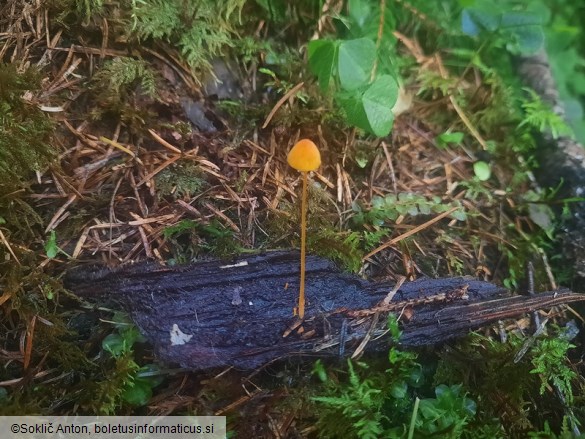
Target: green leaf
x: 355, y: 62
x: 514, y: 19
x: 459, y: 215
x: 371, y: 109
x: 529, y: 39
x: 361, y: 159
x: 399, y: 390
x: 542, y: 215
x: 137, y: 393
x: 322, y: 60
x: 393, y: 327
x: 443, y: 140
x: 51, y: 248
x: 378, y: 101
x: 319, y: 370
x: 115, y: 344
x: 359, y: 11
x: 474, y: 20
x: 151, y: 374
x: 524, y: 28
x: 482, y: 170
x: 351, y: 104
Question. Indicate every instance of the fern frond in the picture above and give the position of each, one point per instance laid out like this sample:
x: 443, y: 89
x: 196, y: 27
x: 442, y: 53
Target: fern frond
x: 201, y: 29
x: 539, y: 115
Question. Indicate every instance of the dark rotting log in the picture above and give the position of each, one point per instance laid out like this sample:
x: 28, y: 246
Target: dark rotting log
x: 240, y: 313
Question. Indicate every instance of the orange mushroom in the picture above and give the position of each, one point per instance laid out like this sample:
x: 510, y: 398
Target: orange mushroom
x: 304, y: 157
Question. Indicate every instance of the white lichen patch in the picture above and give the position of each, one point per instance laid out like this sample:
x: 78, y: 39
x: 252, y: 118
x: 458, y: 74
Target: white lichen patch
x: 178, y: 337
x: 236, y: 298
x: 239, y: 264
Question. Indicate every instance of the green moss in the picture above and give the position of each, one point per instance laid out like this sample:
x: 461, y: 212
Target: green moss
x: 341, y: 247
x: 202, y: 29
x: 183, y: 179
x: 189, y: 239
x: 118, y: 87
x: 324, y: 237
x: 505, y: 383
x: 25, y: 131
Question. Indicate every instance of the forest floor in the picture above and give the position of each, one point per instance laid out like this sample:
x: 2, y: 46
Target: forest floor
x: 147, y: 158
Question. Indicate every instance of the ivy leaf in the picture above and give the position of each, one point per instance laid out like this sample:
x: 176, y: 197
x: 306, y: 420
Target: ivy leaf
x: 355, y: 62
x: 322, y: 60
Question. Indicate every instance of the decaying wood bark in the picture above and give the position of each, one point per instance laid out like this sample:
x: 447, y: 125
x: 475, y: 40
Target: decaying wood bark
x: 240, y: 313
x: 562, y: 162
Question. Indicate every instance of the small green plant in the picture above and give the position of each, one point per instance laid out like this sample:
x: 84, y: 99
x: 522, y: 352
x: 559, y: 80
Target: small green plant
x: 520, y: 31
x: 539, y: 115
x: 390, y: 207
x: 358, y: 67
x: 375, y: 404
x: 201, y: 29
x: 130, y: 383
x: 447, y: 413
x: 87, y: 8
x: 183, y: 180
x: 51, y: 247
x: 120, y: 75
x: 189, y: 238
x: 547, y: 432
x: 117, y: 82
x: 25, y: 131
x: 281, y: 86
x: 565, y: 49
x: 549, y: 361
x: 447, y: 138
x: 342, y: 247
x: 494, y: 374
x: 359, y: 403
x: 78, y: 11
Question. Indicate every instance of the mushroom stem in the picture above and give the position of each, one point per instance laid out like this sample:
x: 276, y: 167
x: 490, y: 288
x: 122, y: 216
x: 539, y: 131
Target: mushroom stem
x: 303, y: 246
x: 303, y: 157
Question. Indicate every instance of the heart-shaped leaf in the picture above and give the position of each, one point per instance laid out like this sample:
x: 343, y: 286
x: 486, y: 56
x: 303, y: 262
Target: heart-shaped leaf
x: 355, y: 62
x: 378, y: 100
x: 370, y: 108
x: 322, y: 60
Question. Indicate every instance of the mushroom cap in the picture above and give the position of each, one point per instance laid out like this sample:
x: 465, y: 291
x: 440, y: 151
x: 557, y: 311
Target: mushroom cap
x: 304, y: 156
